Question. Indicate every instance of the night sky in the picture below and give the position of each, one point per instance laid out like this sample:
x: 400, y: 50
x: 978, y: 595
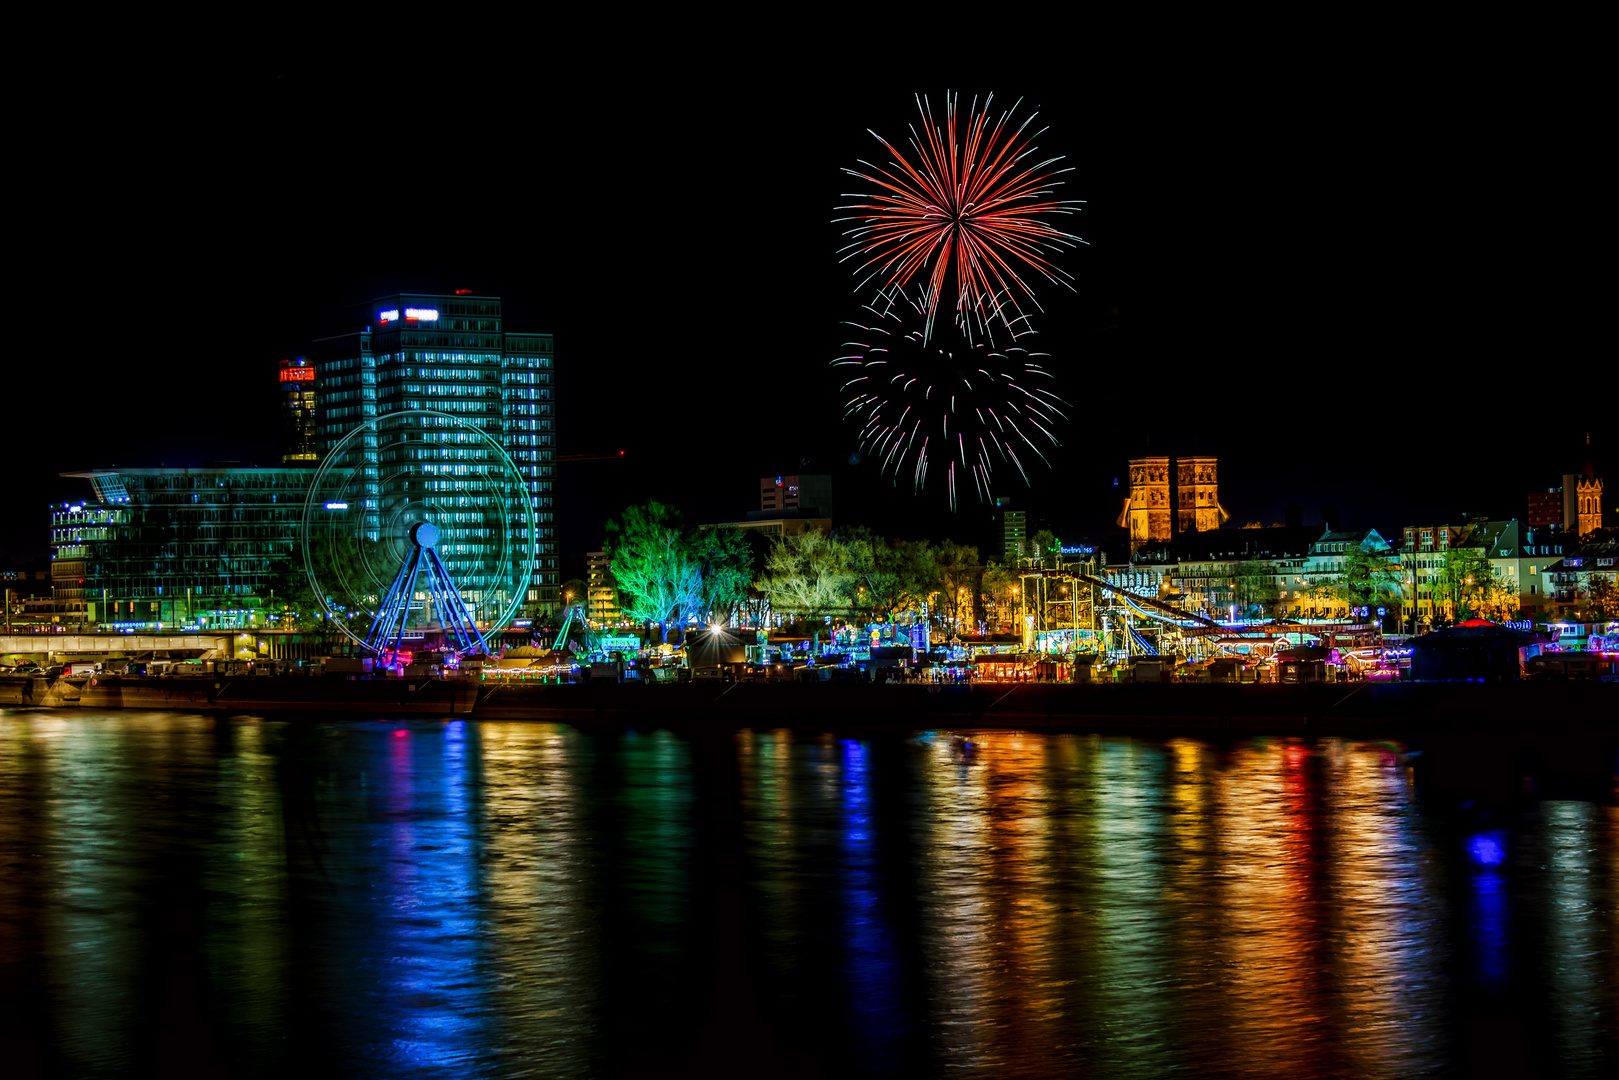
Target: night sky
x: 1378, y: 291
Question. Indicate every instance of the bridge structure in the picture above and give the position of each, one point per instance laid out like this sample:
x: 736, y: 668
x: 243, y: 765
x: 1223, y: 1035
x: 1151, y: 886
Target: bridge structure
x: 48, y: 648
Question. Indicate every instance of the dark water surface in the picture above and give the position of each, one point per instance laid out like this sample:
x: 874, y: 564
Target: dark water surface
x: 184, y: 896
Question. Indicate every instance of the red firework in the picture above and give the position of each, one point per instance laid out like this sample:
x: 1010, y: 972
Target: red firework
x: 971, y: 199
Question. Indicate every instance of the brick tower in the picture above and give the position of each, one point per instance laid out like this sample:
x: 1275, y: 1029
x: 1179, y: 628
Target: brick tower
x: 1198, y: 490
x: 1146, y: 508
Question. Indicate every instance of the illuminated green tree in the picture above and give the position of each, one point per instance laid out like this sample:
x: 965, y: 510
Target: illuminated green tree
x: 807, y: 576
x: 725, y: 559
x: 658, y: 570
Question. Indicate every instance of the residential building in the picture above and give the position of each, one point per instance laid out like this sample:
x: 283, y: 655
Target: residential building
x: 1583, y: 581
x: 176, y: 546
x: 1422, y: 556
x: 1545, y: 509
x: 452, y: 354
x: 1521, y: 554
x: 1326, y: 562
x: 1206, y: 564
x: 602, y: 605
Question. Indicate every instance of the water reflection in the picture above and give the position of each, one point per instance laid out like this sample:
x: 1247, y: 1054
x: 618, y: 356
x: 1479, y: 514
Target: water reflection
x: 1387, y: 917
x: 1579, y: 931
x: 381, y: 899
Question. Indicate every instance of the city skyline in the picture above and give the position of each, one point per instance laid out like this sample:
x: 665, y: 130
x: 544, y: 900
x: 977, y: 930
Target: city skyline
x: 1329, y: 339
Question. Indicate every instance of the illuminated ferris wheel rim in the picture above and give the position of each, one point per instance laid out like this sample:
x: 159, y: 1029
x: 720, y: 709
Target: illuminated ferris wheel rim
x: 313, y: 498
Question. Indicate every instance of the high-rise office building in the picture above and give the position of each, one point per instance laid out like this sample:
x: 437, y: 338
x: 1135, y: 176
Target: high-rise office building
x: 1011, y: 533
x: 451, y: 354
x: 296, y: 380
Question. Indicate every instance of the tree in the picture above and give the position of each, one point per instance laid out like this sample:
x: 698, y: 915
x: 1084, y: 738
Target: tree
x: 725, y: 558
x: 886, y: 576
x: 658, y: 571
x: 1602, y: 597
x: 1001, y: 586
x: 1462, y: 582
x: 1253, y: 587
x: 958, y: 580
x: 293, y: 598
x: 1368, y: 578
x: 807, y: 575
x: 1042, y: 545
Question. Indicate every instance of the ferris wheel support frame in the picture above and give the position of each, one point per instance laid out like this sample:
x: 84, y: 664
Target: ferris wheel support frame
x: 395, y: 607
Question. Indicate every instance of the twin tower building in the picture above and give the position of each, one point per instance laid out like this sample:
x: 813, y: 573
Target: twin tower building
x: 1149, y: 513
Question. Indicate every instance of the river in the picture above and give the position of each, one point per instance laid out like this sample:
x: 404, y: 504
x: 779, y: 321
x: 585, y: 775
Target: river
x: 182, y: 895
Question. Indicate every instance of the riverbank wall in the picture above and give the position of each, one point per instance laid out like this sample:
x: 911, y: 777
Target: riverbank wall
x: 1170, y: 706
x: 1496, y: 744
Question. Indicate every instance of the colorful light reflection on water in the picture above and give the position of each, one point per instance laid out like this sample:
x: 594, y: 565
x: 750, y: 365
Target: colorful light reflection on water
x: 182, y: 896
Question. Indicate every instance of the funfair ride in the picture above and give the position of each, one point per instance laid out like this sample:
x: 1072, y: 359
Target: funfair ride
x: 418, y: 526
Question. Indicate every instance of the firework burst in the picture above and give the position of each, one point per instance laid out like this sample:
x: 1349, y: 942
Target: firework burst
x: 971, y: 195
x: 953, y: 407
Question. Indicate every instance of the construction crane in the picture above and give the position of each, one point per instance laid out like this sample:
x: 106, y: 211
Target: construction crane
x: 599, y: 455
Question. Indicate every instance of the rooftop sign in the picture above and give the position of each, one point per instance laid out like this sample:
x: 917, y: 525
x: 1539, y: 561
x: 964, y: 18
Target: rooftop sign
x: 420, y: 314
x: 298, y: 374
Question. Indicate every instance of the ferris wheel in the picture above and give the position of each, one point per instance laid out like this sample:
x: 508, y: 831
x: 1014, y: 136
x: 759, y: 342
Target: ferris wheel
x: 416, y: 523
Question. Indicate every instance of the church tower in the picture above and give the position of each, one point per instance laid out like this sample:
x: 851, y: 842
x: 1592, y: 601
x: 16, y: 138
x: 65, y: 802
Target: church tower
x: 1146, y: 508
x: 1588, y: 493
x: 1198, y: 490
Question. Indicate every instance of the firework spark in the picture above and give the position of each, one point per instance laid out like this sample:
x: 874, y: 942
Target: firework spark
x: 973, y: 197
x: 954, y: 404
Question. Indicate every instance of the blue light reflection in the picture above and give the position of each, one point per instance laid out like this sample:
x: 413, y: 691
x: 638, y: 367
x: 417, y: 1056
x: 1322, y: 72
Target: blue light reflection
x: 872, y: 964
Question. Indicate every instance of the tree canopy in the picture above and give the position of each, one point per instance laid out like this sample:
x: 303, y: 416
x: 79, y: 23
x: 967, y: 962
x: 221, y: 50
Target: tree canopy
x: 807, y: 575
x: 1367, y: 578
x: 886, y: 576
x: 1465, y: 583
x: 658, y: 571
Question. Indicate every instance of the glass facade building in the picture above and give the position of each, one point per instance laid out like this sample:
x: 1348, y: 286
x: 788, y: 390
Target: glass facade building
x: 167, y: 547
x: 451, y: 354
